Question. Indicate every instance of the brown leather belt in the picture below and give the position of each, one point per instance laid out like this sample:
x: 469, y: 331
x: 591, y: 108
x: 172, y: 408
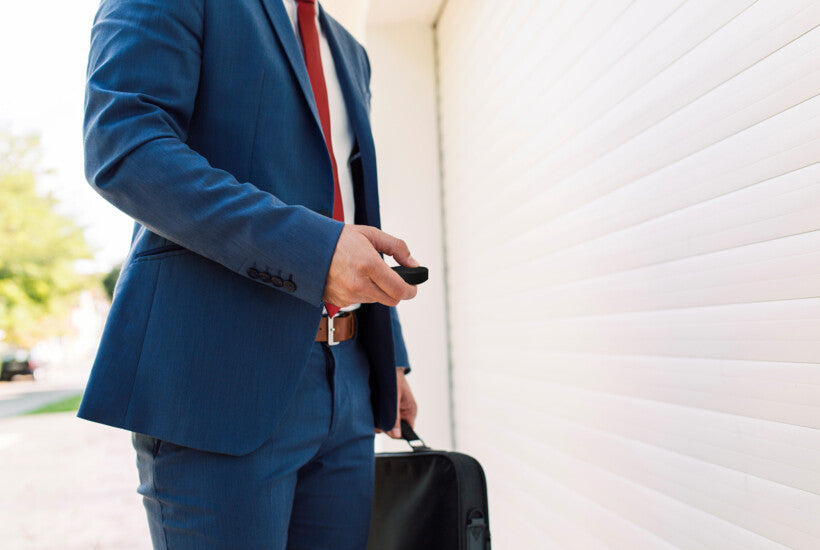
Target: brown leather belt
x: 342, y: 327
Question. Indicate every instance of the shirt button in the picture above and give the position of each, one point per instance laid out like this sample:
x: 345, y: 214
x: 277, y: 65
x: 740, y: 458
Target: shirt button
x: 253, y: 274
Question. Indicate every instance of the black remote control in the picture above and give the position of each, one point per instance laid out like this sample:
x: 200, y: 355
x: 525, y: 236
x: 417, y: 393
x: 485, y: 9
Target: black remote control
x: 412, y: 275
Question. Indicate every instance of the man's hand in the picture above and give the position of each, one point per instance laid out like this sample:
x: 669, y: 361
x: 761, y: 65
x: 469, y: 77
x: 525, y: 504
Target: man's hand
x: 359, y: 275
x: 407, y: 408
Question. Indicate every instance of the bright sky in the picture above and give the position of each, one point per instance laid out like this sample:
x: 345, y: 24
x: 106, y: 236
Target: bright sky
x: 44, y: 45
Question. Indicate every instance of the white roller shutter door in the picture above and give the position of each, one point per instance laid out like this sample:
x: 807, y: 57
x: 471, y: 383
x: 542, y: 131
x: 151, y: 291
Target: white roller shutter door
x: 632, y: 224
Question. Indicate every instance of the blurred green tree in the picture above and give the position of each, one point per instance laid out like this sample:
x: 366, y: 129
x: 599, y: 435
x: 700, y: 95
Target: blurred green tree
x: 38, y: 249
x: 110, y: 281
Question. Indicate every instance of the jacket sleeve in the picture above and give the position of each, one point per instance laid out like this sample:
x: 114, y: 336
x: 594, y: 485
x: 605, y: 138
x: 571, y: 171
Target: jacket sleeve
x: 143, y: 72
x: 399, y: 349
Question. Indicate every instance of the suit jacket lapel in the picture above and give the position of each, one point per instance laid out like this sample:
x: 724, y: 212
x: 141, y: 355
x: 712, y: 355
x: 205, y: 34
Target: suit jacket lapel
x: 280, y: 21
x: 354, y: 101
x: 356, y: 110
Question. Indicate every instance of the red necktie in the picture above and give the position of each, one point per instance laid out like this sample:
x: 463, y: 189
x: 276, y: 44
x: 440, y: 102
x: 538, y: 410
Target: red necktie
x: 313, y: 60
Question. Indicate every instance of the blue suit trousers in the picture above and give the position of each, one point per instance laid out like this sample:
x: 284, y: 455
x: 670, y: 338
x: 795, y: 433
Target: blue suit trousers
x: 308, y: 487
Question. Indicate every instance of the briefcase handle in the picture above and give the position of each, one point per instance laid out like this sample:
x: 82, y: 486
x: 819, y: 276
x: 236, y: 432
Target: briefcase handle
x: 411, y: 437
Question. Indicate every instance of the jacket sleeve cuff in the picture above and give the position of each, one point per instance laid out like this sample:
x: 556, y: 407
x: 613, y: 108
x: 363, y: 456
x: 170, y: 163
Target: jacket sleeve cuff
x: 399, y: 348
x: 311, y: 242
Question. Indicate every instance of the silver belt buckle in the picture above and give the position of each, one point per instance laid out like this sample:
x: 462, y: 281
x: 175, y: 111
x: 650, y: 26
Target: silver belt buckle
x: 330, y: 330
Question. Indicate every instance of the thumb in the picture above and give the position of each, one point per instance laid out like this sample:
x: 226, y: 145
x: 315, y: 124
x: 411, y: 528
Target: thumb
x: 392, y: 246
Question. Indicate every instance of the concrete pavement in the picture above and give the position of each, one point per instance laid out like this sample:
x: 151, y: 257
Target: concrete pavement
x: 68, y: 484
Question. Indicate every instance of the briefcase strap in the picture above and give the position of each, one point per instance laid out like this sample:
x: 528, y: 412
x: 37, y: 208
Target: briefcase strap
x: 411, y: 437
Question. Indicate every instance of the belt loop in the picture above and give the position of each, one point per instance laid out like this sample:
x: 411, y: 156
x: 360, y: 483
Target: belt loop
x: 330, y: 330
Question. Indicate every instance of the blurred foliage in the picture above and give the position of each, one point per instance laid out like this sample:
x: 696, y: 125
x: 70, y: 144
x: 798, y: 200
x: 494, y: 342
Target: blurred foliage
x: 110, y: 281
x: 69, y: 404
x: 38, y: 249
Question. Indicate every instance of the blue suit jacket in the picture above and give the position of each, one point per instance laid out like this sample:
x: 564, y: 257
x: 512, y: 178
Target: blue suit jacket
x: 200, y: 124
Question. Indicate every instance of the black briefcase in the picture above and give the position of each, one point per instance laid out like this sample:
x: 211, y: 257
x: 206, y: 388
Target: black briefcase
x: 428, y: 500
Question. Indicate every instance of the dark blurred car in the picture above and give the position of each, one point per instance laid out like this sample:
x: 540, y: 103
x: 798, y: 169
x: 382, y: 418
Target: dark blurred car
x: 16, y: 362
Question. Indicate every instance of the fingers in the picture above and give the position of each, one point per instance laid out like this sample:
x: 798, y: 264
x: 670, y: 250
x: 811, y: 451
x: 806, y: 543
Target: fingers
x: 358, y: 273
x: 392, y: 246
x: 406, y: 408
x: 408, y: 411
x: 391, y: 283
x: 367, y: 292
x: 396, y: 431
x: 376, y: 294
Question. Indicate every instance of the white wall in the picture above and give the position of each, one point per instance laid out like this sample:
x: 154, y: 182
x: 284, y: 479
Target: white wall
x: 404, y: 125
x: 352, y: 14
x: 632, y: 199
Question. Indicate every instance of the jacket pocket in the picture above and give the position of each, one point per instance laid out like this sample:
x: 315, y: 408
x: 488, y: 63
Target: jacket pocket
x: 156, y: 444
x: 146, y: 443
x: 158, y: 252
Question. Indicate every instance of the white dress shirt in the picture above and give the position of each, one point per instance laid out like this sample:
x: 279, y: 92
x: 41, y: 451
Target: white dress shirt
x: 341, y: 132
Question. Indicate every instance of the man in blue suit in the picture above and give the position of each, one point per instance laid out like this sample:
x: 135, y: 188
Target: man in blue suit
x: 236, y: 133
